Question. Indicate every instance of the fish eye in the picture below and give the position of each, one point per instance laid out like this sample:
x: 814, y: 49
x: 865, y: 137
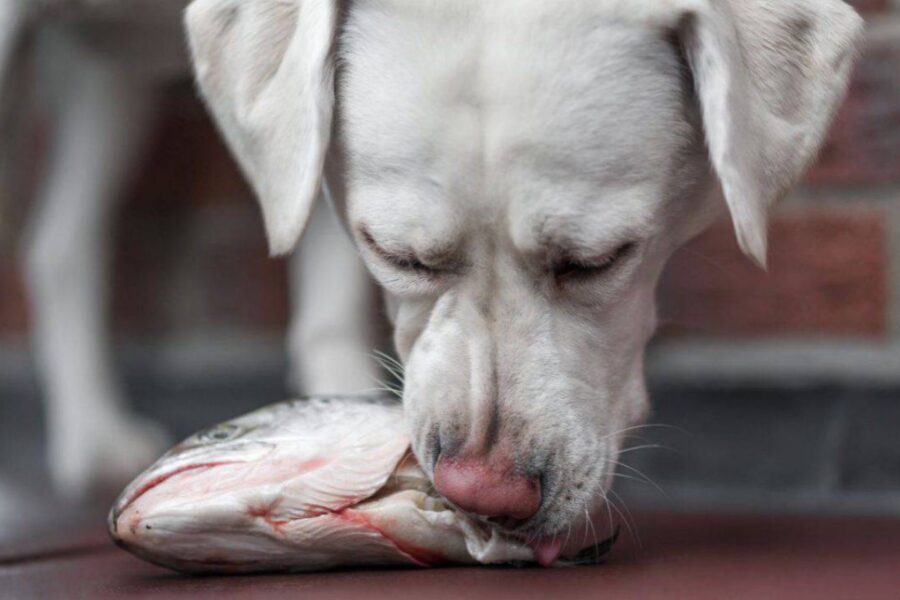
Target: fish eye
x: 220, y: 433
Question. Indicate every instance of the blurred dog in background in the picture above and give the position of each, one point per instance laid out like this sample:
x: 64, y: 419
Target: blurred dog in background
x: 102, y: 65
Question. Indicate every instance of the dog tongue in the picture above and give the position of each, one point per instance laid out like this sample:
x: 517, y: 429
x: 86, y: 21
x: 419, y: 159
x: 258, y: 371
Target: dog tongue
x: 547, y: 550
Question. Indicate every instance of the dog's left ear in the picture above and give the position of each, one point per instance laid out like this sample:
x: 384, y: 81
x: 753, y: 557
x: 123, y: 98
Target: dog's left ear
x: 265, y: 68
x: 769, y: 76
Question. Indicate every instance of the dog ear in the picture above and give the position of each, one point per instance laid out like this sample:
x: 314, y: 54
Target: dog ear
x: 266, y: 71
x: 769, y: 76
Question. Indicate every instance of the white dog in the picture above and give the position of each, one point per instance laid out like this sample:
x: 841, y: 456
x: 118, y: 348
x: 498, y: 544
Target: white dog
x: 516, y: 173
x: 105, y: 62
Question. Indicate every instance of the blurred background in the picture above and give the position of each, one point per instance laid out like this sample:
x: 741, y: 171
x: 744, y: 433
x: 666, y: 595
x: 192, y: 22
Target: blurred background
x: 775, y: 391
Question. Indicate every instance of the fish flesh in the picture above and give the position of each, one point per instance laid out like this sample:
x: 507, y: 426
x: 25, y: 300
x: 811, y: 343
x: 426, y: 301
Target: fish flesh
x: 303, y: 485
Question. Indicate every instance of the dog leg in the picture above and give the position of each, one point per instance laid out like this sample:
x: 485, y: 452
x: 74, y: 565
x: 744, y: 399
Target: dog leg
x: 93, y: 441
x: 332, y: 334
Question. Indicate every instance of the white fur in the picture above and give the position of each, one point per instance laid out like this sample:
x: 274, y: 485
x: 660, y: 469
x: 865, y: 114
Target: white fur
x: 487, y: 140
x: 334, y: 328
x: 770, y: 75
x: 250, y: 57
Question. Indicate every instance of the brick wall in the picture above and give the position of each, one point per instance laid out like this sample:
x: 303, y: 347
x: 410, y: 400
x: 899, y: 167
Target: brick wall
x: 191, y: 255
x: 834, y: 243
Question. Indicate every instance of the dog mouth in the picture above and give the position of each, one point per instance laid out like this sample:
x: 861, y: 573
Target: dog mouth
x: 573, y: 519
x: 585, y: 538
x: 548, y: 551
x: 560, y: 528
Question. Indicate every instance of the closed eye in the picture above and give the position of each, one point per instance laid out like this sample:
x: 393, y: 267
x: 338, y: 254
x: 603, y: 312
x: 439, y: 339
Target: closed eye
x: 405, y: 261
x: 574, y: 269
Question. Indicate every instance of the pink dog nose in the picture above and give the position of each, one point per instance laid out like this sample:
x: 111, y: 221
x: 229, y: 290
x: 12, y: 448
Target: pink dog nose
x: 486, y: 489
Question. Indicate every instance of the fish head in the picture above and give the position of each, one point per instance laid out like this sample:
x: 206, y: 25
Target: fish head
x: 246, y: 478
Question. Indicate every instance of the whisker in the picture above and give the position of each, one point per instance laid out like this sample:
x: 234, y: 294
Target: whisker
x: 389, y: 364
x: 394, y: 373
x: 593, y: 537
x: 387, y: 356
x: 628, y: 477
x: 641, y: 476
x: 645, y: 447
x: 631, y: 531
x: 645, y: 426
x: 374, y: 390
x: 608, y: 510
x: 587, y: 520
x: 630, y: 518
x: 398, y: 375
x: 384, y: 386
x: 389, y: 359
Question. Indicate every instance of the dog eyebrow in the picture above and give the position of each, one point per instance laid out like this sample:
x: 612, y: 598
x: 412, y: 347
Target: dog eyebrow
x: 572, y: 243
x: 552, y: 253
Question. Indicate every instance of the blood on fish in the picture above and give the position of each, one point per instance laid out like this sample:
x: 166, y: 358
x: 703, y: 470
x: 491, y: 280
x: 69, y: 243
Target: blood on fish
x: 312, y: 465
x: 265, y: 513
x: 318, y: 509
x: 423, y: 557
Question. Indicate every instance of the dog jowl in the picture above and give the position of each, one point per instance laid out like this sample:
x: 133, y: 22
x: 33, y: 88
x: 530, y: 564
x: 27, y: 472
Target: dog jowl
x: 515, y: 175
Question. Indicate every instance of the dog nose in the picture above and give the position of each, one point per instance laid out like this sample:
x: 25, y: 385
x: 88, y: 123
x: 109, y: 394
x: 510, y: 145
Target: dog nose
x: 487, y: 488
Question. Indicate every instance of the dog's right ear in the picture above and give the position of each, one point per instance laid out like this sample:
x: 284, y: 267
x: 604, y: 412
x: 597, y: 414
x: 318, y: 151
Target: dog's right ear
x: 266, y: 71
x: 769, y: 75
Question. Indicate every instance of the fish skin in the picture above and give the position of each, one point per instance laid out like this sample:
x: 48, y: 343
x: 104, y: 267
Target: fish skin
x: 304, y: 485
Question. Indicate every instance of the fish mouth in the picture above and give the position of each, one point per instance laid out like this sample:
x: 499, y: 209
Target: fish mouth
x: 127, y: 500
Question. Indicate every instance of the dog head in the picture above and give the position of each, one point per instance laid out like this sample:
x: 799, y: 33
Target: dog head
x: 515, y: 174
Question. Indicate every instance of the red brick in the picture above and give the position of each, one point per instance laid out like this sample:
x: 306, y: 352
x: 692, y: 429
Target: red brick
x: 864, y: 144
x: 245, y: 288
x: 165, y: 282
x: 146, y: 247
x: 186, y: 160
x: 827, y: 276
x: 171, y: 278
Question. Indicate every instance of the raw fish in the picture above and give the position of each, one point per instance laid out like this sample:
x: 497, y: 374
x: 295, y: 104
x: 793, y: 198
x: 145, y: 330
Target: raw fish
x: 300, y: 486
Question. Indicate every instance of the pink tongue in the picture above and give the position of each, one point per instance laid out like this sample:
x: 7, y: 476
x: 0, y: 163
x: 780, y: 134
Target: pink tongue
x: 547, y: 550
